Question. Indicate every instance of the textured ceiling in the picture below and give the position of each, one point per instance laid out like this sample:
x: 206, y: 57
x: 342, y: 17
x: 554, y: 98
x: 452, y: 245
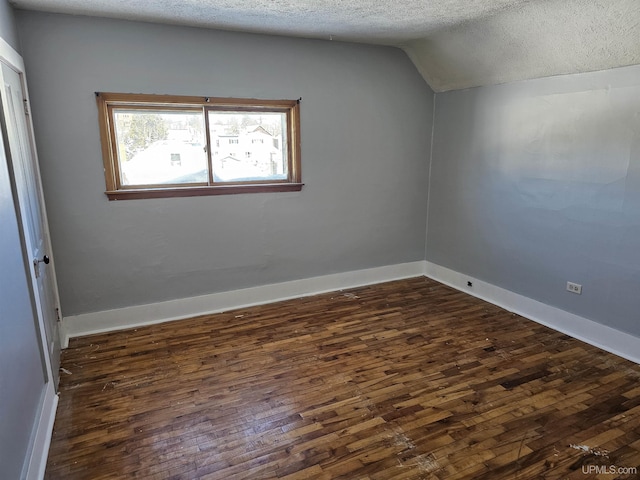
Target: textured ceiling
x: 454, y: 43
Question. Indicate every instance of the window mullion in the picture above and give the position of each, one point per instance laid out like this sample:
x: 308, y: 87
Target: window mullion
x: 207, y: 133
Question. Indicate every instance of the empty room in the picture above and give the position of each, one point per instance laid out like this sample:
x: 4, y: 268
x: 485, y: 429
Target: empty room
x: 320, y: 240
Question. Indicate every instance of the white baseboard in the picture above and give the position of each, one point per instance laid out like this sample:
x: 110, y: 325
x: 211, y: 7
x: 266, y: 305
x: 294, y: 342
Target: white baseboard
x: 42, y: 441
x: 128, y: 317
x: 593, y: 333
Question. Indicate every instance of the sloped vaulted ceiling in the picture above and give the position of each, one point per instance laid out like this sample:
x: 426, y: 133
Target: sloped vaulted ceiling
x: 538, y: 38
x: 454, y: 43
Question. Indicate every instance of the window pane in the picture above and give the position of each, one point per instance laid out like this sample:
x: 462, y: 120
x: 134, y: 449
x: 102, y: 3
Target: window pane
x: 160, y: 147
x: 249, y: 146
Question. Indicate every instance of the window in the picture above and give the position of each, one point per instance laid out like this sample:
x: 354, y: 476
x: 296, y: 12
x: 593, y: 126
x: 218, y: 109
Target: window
x: 160, y: 146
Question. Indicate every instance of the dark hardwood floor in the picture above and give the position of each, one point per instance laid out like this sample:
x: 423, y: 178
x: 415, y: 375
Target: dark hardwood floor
x: 403, y: 380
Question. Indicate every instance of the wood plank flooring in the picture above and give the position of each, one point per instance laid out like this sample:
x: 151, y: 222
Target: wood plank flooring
x: 403, y: 380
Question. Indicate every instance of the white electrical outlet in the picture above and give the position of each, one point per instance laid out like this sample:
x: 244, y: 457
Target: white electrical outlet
x: 574, y: 288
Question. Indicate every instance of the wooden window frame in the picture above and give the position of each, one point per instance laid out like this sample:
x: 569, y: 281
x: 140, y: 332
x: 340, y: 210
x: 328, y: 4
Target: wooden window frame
x: 107, y: 102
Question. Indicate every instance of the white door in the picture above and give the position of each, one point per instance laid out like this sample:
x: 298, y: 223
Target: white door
x: 24, y: 374
x: 30, y: 199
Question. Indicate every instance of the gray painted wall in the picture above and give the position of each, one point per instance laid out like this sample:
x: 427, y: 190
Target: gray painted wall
x: 364, y: 160
x: 538, y: 183
x: 8, y: 30
x: 22, y: 379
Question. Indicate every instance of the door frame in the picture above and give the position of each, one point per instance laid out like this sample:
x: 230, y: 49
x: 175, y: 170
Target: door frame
x: 43, y: 429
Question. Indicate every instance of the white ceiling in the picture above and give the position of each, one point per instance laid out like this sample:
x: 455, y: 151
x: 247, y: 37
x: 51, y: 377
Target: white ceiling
x: 454, y: 43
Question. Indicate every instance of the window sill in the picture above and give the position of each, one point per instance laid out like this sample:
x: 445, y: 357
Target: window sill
x: 134, y: 194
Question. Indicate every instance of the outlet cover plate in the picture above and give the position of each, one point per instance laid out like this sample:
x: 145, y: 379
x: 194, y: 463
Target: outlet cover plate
x: 574, y: 288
